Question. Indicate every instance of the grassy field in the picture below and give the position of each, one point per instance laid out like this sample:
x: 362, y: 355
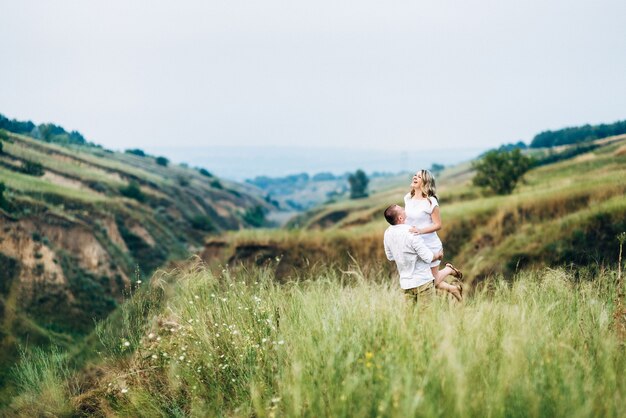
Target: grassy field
x: 344, y: 344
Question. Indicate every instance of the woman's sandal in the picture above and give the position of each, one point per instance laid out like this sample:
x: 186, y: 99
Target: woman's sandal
x: 455, y: 271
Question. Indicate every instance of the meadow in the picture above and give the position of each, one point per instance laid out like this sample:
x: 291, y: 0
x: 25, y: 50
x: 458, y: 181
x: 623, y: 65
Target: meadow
x: 308, y: 320
x: 194, y: 342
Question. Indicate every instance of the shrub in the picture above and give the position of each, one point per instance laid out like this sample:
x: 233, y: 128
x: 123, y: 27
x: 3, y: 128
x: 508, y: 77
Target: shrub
x: 33, y: 168
x: 162, y: 161
x: 136, y: 151
x: 3, y: 202
x: 217, y: 185
x: 255, y: 216
x: 133, y: 191
x: 203, y: 223
x: 501, y: 170
x: 183, y: 181
x: 204, y: 172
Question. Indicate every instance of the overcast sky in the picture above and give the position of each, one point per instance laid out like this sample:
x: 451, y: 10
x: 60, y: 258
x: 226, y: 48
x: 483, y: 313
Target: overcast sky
x: 324, y: 73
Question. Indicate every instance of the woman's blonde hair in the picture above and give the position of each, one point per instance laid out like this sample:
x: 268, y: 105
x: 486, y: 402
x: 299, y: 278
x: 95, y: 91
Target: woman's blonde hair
x: 428, y: 187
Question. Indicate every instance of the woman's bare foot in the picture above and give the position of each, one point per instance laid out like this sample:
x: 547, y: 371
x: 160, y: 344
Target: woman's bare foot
x: 456, y: 291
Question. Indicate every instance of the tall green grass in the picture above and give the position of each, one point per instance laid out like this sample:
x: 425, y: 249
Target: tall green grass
x: 347, y: 344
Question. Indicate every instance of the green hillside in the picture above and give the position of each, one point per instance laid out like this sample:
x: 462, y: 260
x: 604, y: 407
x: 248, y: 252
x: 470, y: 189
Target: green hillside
x: 81, y: 224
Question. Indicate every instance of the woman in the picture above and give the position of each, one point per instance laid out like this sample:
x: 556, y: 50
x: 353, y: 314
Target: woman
x: 422, y: 213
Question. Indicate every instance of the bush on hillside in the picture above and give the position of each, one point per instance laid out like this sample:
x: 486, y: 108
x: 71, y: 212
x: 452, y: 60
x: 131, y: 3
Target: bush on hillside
x: 133, y: 191
x: 162, y: 161
x: 1, y: 149
x: 3, y: 201
x: 255, y: 216
x: 204, y: 172
x: 203, y: 223
x: 183, y: 181
x: 136, y: 151
x: 501, y: 170
x: 217, y: 185
x: 358, y: 184
x: 32, y: 168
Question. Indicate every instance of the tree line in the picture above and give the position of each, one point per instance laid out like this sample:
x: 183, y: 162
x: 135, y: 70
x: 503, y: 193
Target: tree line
x: 574, y: 135
x: 47, y: 132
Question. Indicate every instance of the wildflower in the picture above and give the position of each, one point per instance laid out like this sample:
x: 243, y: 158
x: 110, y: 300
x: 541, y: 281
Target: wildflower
x: 126, y: 344
x: 224, y: 299
x: 264, y: 340
x: 281, y: 342
x: 181, y: 358
x: 158, y: 338
x: 124, y: 390
x: 151, y: 336
x: 138, y: 281
x: 369, y: 355
x: 154, y: 356
x: 196, y: 297
x: 276, y: 399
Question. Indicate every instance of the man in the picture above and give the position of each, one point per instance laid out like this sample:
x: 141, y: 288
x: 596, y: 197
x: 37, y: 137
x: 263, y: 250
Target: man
x: 411, y: 255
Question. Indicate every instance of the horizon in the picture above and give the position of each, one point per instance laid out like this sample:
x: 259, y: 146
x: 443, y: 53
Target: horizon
x: 231, y: 162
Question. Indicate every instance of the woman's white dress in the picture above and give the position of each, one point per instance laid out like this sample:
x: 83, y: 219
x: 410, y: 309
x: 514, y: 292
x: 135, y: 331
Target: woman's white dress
x: 419, y: 214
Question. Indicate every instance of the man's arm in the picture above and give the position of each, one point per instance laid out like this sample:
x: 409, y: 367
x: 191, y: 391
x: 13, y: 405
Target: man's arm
x: 388, y: 252
x: 417, y: 243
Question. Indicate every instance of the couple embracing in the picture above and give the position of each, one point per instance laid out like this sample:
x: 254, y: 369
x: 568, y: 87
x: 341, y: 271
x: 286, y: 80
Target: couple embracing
x: 412, y: 242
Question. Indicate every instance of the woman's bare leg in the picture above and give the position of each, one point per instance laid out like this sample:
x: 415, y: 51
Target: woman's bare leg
x: 439, y: 275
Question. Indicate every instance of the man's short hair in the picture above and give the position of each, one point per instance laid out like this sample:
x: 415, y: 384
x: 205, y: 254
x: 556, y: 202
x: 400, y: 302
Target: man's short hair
x: 391, y: 214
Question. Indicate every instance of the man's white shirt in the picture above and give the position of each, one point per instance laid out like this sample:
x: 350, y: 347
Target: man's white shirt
x: 411, y: 255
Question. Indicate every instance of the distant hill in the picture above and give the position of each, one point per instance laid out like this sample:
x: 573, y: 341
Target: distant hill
x: 300, y: 192
x: 80, y: 225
